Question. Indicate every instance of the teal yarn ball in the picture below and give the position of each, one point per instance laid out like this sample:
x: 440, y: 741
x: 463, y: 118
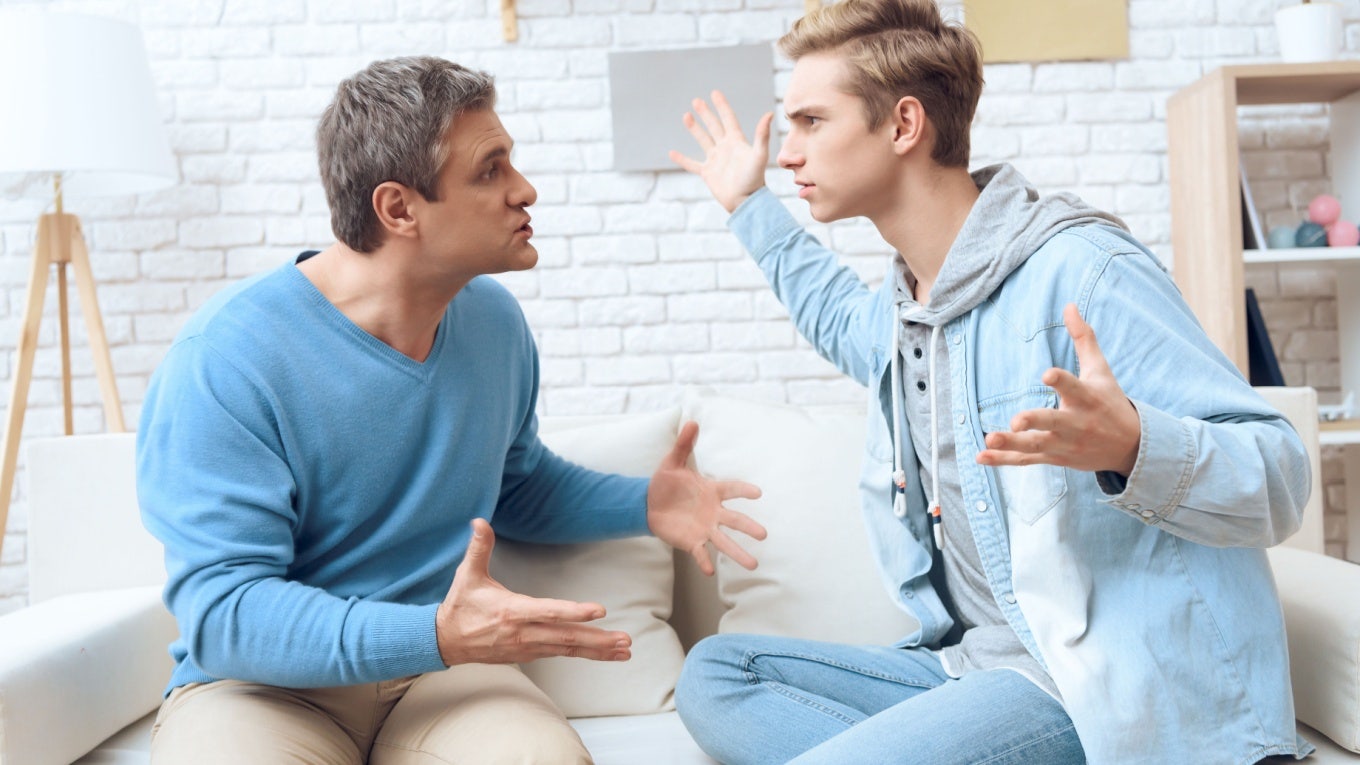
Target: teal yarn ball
x: 1310, y: 235
x: 1281, y: 237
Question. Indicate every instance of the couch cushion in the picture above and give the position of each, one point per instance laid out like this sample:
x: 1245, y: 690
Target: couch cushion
x: 817, y: 578
x: 87, y: 534
x: 76, y: 669
x: 1319, y: 598
x: 631, y: 578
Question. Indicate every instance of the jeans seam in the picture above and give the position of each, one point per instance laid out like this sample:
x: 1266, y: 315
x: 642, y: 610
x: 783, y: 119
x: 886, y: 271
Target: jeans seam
x: 752, y: 655
x: 1030, y: 742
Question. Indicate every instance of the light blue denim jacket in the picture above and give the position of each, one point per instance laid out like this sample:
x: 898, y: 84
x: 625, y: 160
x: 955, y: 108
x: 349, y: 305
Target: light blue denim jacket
x: 1153, y: 608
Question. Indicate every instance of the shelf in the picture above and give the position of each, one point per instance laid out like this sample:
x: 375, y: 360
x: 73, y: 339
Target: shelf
x: 1293, y: 83
x: 1302, y: 255
x: 1339, y: 432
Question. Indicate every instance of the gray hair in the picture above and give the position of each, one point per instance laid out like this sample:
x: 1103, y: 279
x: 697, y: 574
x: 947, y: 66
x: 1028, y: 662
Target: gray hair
x: 388, y: 123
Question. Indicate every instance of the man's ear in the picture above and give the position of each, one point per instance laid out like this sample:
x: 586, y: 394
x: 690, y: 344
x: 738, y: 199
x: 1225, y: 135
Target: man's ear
x: 910, y: 127
x: 392, y: 203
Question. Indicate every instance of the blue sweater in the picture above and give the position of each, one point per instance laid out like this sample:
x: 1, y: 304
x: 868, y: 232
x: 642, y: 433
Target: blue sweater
x: 314, y: 487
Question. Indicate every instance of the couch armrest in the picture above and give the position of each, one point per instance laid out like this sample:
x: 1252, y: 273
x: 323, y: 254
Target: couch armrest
x: 1319, y: 595
x: 77, y: 668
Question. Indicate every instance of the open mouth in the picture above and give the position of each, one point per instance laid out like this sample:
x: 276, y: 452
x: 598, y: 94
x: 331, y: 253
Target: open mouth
x: 525, y: 229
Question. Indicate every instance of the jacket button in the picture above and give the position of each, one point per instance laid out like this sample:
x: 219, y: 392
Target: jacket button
x: 981, y: 506
x: 921, y: 385
x: 1010, y: 597
x: 916, y: 352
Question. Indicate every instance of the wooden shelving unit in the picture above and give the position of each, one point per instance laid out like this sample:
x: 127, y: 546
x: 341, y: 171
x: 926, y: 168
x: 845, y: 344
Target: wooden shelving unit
x: 1202, y: 153
x: 1206, y: 220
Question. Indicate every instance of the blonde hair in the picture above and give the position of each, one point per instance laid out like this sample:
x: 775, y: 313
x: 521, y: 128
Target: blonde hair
x: 897, y: 48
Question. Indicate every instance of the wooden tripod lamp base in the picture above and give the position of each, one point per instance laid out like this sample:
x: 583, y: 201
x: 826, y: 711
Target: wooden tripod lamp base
x: 59, y: 242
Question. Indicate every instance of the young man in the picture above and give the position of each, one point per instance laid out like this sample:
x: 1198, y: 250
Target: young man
x: 1077, y: 526
x: 326, y: 446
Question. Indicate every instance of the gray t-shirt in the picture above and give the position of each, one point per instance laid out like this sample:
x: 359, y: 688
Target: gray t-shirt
x: 988, y: 642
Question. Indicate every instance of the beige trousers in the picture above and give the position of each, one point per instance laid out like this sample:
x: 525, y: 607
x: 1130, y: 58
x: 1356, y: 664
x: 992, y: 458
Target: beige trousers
x: 472, y: 714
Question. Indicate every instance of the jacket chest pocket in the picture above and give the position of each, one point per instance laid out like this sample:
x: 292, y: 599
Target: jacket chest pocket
x: 1027, y: 492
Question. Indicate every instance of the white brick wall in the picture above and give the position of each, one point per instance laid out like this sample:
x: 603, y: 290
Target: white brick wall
x: 639, y: 290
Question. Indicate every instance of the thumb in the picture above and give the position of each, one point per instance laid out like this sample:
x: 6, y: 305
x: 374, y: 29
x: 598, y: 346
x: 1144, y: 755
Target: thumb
x: 478, y: 556
x: 1089, y: 357
x: 684, y: 446
x: 763, y: 134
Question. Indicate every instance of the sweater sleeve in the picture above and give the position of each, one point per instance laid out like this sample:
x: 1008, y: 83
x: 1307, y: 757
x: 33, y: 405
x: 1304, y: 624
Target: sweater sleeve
x: 215, y: 486
x: 549, y: 500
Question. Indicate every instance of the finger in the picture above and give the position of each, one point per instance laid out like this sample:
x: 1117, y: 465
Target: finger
x: 999, y: 457
x: 1089, y: 357
x: 1028, y: 442
x: 700, y: 135
x: 763, y: 134
x: 726, y: 114
x: 684, y: 446
x: 550, y: 610
x: 572, y: 635
x: 737, y: 490
x: 1039, y: 419
x: 539, y: 645
x: 700, y: 554
x: 743, y: 523
x: 1071, y: 390
x: 478, y: 555
x: 727, y: 546
x: 710, y: 119
x: 686, y: 163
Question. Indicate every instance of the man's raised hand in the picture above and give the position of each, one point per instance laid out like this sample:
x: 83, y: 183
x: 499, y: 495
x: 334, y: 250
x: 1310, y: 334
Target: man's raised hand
x: 686, y: 510
x: 482, y: 622
x: 1094, y: 428
x: 732, y: 168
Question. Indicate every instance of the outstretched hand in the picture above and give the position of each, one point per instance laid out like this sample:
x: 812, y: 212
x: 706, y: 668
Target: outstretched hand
x: 482, y: 622
x: 1095, y: 426
x: 732, y: 168
x: 685, y: 509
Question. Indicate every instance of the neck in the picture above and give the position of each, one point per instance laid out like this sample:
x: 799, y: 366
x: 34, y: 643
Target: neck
x: 922, y: 220
x: 381, y: 294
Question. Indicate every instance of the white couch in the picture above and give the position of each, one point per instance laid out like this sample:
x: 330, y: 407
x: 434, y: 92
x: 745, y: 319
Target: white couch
x: 82, y: 668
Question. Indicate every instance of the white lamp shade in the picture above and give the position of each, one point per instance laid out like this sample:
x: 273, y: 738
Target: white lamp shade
x: 77, y: 99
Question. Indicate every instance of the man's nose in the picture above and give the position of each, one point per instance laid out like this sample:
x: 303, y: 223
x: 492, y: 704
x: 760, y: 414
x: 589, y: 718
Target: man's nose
x: 524, y: 193
x: 789, y: 156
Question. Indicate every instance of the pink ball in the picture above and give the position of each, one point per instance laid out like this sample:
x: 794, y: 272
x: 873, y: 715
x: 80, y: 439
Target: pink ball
x: 1324, y: 210
x: 1343, y: 233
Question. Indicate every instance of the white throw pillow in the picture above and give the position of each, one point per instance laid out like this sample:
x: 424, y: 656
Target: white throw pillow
x: 631, y: 578
x: 817, y: 577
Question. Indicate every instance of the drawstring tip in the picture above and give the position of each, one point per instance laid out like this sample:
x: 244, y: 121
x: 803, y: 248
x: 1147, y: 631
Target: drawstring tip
x: 939, y: 535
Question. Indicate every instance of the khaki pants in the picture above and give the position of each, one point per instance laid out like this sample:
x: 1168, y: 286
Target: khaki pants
x: 469, y: 714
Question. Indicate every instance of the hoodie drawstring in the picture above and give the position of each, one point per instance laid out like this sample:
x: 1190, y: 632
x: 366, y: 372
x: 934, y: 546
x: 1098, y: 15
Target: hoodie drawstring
x: 899, y: 475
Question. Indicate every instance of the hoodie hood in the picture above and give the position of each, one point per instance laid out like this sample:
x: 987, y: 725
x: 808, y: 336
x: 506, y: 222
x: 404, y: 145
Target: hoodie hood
x: 1009, y: 222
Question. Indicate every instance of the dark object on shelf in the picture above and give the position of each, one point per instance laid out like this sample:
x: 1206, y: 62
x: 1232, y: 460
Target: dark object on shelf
x: 1264, y: 366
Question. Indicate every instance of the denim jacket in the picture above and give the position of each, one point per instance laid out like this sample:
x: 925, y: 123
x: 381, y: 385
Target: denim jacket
x: 1149, y: 601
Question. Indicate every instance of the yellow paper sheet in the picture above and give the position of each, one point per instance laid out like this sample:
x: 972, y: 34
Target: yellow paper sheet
x: 1049, y: 30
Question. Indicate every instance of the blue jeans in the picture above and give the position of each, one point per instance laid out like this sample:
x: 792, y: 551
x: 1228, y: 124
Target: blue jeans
x: 758, y: 699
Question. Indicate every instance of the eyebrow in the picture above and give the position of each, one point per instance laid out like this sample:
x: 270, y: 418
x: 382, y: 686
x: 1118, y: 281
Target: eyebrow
x: 802, y: 112
x: 496, y: 153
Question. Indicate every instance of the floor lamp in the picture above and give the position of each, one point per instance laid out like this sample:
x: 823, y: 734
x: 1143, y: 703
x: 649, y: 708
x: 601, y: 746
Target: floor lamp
x: 81, y: 108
